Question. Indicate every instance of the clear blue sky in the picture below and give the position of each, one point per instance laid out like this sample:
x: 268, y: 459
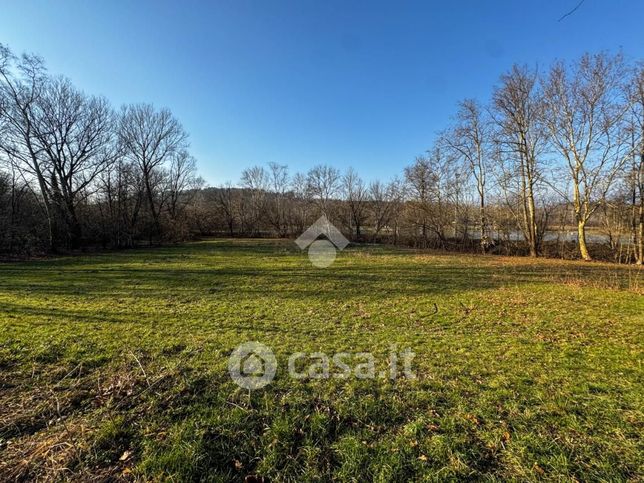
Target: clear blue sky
x: 363, y: 84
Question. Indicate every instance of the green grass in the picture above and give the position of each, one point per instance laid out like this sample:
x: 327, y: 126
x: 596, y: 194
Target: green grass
x: 115, y: 366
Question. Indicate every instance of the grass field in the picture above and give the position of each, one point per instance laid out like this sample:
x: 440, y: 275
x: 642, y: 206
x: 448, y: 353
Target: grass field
x: 115, y: 366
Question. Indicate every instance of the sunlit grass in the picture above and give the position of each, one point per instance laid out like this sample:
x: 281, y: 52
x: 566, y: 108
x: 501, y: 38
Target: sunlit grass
x: 115, y: 365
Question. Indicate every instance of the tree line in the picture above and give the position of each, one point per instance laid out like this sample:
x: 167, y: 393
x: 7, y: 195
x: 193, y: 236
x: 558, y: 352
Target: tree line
x: 77, y: 172
x: 552, y: 165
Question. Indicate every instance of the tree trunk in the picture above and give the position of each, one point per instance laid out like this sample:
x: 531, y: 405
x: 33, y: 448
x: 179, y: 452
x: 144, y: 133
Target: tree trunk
x: 155, y: 215
x: 640, y: 241
x: 483, y: 222
x: 583, y: 248
x: 581, y: 211
x: 480, y: 183
x: 74, y: 226
x: 532, y: 216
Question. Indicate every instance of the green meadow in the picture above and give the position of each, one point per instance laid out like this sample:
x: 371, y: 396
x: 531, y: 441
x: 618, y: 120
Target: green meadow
x: 115, y: 366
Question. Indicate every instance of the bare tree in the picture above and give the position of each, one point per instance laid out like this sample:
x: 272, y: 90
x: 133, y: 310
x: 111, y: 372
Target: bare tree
x: 121, y: 196
x: 256, y: 182
x: 395, y: 198
x: 636, y: 174
x: 17, y: 220
x: 428, y: 188
x: 468, y: 139
x: 419, y: 178
x: 323, y: 185
x: 22, y: 81
x: 301, y: 202
x: 278, y: 181
x: 74, y: 134
x: 355, y: 195
x: 182, y: 177
x: 446, y: 192
x: 150, y: 138
x: 518, y: 112
x: 226, y: 201
x: 384, y: 201
x: 584, y: 110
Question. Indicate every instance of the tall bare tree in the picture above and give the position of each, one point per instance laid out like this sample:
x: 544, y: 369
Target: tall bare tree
x: 150, y: 138
x: 469, y: 140
x: 279, y: 183
x: 584, y: 108
x: 302, y: 202
x: 636, y: 175
x: 323, y: 185
x: 74, y: 134
x: 384, y: 201
x: 227, y: 204
x: 256, y: 182
x: 182, y: 178
x: 355, y: 196
x: 22, y: 82
x: 419, y: 178
x: 518, y: 112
